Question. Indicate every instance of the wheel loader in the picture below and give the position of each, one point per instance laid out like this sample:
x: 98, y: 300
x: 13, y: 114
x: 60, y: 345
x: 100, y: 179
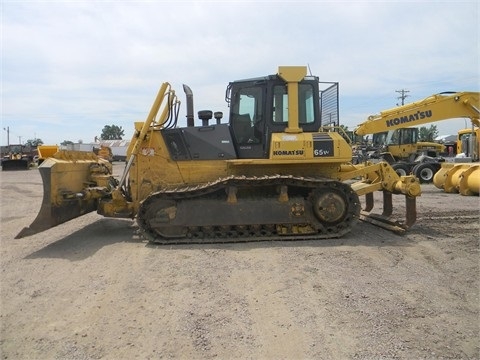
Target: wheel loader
x: 271, y: 172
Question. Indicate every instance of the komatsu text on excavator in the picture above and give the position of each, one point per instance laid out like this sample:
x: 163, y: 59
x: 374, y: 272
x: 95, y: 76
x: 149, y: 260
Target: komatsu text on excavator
x: 394, y: 129
x: 272, y: 172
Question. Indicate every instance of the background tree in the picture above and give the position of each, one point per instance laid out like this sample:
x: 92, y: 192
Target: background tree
x: 427, y: 133
x: 33, y: 143
x: 112, y: 132
x: 66, y: 142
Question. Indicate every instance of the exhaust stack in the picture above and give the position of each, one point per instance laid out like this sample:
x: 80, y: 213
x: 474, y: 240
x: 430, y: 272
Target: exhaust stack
x: 190, y: 111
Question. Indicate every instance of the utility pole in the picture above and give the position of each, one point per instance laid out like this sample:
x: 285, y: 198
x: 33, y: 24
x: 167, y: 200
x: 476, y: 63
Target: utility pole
x: 403, y: 95
x: 7, y: 129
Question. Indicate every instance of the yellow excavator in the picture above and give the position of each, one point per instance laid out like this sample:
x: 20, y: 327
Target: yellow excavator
x: 272, y: 172
x: 395, y: 134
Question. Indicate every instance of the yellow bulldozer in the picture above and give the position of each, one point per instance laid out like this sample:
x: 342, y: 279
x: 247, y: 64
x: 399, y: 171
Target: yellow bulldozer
x: 272, y: 172
x: 16, y: 157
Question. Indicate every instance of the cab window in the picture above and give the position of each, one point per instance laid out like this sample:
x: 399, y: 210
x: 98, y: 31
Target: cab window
x: 305, y: 104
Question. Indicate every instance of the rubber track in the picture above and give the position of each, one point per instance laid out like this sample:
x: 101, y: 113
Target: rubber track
x: 240, y: 235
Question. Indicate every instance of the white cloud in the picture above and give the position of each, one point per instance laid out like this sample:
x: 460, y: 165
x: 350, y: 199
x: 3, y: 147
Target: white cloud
x: 69, y: 68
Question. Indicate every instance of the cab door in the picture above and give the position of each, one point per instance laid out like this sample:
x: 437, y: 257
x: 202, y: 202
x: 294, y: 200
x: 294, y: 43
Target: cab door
x: 247, y: 120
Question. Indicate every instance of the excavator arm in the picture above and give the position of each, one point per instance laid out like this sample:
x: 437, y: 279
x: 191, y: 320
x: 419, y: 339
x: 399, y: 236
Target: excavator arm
x: 434, y: 108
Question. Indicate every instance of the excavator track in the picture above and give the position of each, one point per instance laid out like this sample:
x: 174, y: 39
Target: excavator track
x: 245, y: 209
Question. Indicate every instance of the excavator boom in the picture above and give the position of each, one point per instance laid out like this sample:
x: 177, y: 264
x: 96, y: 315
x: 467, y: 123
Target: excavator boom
x: 434, y: 108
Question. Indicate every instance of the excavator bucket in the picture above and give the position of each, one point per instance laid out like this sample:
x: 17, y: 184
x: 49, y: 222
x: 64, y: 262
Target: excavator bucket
x: 462, y: 178
x: 67, y: 189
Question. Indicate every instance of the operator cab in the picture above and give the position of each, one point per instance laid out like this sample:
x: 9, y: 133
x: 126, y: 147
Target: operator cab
x: 259, y: 107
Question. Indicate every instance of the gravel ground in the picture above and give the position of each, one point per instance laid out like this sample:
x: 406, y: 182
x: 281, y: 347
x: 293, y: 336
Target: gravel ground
x: 91, y: 289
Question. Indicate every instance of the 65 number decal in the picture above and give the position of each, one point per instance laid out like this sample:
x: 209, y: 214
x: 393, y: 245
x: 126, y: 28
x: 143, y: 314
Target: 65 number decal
x: 323, y: 148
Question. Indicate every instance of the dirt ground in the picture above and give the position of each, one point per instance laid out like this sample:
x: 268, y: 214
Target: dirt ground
x: 92, y: 289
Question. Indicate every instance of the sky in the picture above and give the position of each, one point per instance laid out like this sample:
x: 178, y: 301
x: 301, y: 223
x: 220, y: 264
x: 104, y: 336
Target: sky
x: 68, y: 68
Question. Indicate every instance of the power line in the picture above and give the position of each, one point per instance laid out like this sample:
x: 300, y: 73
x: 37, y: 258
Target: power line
x: 403, y: 95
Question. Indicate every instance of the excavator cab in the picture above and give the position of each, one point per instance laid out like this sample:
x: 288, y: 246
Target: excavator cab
x: 403, y: 144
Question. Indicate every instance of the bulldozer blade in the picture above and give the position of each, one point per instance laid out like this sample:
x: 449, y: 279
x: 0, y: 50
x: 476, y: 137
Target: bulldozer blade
x: 58, y: 205
x: 15, y: 164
